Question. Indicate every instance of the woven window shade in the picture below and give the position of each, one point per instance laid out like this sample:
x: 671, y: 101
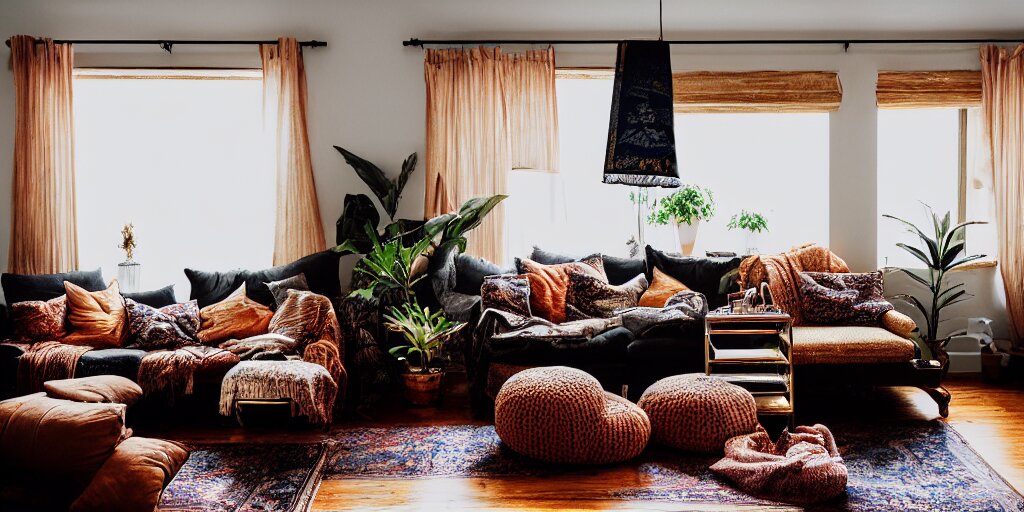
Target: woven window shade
x: 757, y: 91
x: 928, y: 89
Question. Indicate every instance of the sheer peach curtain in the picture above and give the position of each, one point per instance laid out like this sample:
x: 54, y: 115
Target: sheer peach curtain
x: 487, y: 112
x: 298, y: 230
x: 44, y: 230
x: 1002, y: 74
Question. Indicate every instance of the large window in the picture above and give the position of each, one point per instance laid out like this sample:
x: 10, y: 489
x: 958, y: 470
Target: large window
x: 185, y: 159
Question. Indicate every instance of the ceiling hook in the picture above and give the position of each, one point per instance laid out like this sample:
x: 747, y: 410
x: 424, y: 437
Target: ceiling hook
x: 166, y: 46
x: 846, y: 47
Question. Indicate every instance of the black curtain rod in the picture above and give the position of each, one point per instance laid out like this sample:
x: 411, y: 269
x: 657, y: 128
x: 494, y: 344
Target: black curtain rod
x: 709, y: 42
x: 165, y: 43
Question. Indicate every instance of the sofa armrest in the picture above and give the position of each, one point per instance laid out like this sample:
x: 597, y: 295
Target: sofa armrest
x: 899, y: 324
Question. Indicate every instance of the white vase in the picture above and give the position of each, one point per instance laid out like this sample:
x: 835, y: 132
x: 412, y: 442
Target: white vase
x: 129, y: 275
x: 752, y: 241
x: 687, y: 236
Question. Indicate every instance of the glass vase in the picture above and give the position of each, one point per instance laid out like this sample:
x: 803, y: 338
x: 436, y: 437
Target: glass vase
x: 129, y: 276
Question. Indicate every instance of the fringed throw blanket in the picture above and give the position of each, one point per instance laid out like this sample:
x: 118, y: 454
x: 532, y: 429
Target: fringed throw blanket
x: 47, y: 360
x: 308, y: 385
x: 173, y: 371
x: 781, y: 272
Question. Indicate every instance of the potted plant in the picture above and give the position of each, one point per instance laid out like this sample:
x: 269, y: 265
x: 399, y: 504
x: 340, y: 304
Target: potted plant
x: 425, y: 334
x: 941, y: 252
x: 751, y: 222
x: 685, y: 208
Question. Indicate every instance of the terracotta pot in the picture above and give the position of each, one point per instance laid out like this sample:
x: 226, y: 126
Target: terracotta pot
x: 423, y: 388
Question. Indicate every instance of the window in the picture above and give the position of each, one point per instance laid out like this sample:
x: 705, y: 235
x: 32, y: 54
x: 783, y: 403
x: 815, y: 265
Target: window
x: 749, y: 161
x: 183, y: 156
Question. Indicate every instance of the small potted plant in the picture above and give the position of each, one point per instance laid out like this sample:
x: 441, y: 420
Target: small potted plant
x: 752, y: 223
x: 425, y: 334
x: 685, y: 208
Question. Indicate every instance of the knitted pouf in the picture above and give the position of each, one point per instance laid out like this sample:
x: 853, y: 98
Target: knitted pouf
x: 562, y: 415
x: 697, y: 413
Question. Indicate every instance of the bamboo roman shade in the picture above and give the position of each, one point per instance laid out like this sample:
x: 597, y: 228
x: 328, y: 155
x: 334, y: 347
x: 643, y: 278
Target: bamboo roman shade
x: 928, y: 89
x: 756, y: 91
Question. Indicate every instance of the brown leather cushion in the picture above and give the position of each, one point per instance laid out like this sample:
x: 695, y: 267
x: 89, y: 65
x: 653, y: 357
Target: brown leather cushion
x: 663, y: 287
x: 95, y: 319
x: 234, y: 317
x: 59, y: 439
x: 133, y: 477
x: 848, y: 345
x: 96, y: 389
x: 548, y: 284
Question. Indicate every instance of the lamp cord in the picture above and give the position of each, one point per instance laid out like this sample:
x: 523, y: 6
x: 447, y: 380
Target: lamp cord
x: 661, y: 24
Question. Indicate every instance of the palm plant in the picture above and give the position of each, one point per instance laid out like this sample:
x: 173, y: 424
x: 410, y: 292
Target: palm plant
x: 941, y: 253
x: 424, y: 332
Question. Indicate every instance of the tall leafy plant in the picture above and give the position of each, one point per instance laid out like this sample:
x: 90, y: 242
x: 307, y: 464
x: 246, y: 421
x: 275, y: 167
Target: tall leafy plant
x: 940, y: 251
x: 388, y: 265
x: 359, y: 210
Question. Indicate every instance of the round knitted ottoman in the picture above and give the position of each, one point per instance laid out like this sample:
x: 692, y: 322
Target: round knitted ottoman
x: 697, y: 413
x: 562, y: 415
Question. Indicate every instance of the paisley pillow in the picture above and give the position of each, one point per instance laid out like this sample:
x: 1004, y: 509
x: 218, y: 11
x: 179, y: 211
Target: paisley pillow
x: 589, y: 297
x: 842, y: 298
x: 169, y: 327
x: 507, y: 292
x: 38, y: 320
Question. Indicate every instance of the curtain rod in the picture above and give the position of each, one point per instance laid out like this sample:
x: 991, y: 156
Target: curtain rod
x: 166, y: 44
x: 709, y: 42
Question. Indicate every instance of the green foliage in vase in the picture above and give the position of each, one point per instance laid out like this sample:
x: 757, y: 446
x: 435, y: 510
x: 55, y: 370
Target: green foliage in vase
x: 689, y: 204
x: 751, y: 221
x: 424, y: 332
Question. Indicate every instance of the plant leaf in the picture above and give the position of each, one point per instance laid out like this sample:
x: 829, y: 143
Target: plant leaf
x: 961, y: 261
x: 357, y: 212
x: 408, y: 166
x: 916, y: 277
x: 374, y: 178
x: 917, y: 253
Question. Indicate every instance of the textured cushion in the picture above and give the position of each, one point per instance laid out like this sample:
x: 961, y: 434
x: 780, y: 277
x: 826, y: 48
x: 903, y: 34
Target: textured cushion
x: 37, y: 320
x: 320, y: 269
x: 234, y: 317
x: 23, y: 287
x: 899, y: 324
x: 279, y: 289
x: 133, y: 477
x: 562, y: 415
x: 154, y: 298
x: 97, y: 389
x: 619, y: 270
x: 697, y: 413
x: 306, y: 317
x: 849, y: 345
x: 842, y: 298
x: 590, y: 296
x: 548, y: 284
x: 470, y: 273
x: 803, y: 467
x: 662, y: 288
x: 58, y: 439
x: 95, y: 319
x: 508, y: 292
x: 702, y: 275
x: 110, y: 361
x: 168, y: 327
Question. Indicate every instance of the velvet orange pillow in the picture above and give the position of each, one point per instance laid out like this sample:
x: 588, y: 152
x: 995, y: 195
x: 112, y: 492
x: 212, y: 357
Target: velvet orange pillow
x: 548, y: 284
x: 662, y: 288
x: 237, y: 317
x: 95, y: 319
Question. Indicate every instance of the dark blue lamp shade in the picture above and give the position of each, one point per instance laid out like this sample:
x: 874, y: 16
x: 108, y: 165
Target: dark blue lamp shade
x: 641, y: 136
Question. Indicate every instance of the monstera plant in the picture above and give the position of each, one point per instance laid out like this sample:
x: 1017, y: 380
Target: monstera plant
x: 359, y: 210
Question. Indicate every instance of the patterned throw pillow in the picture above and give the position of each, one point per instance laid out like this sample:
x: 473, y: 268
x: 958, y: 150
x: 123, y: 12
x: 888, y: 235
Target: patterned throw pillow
x: 97, y: 319
x: 548, y: 284
x: 663, y: 287
x: 38, y: 320
x: 842, y: 298
x: 589, y: 297
x: 507, y: 292
x: 279, y: 289
x: 237, y: 316
x: 171, y: 326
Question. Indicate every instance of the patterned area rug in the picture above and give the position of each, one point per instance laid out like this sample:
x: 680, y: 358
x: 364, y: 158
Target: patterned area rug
x: 244, y: 477
x: 904, y: 467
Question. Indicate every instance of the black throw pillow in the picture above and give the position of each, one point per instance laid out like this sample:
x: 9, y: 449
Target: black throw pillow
x: 702, y: 275
x: 619, y: 270
x: 470, y: 273
x: 154, y: 298
x: 321, y: 271
x: 25, y: 287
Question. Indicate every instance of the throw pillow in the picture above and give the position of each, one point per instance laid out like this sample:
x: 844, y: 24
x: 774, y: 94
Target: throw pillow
x: 133, y: 477
x: 509, y: 292
x: 619, y: 270
x: 112, y: 389
x: 548, y: 284
x: 237, y: 316
x: 96, y: 319
x: 321, y: 271
x: 842, y: 298
x: 37, y: 320
x: 306, y: 317
x: 663, y: 287
x: 24, y: 287
x: 150, y: 328
x: 155, y: 298
x: 279, y: 289
x: 702, y: 275
x: 587, y: 296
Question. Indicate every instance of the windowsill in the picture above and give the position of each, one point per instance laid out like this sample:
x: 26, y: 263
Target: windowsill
x: 974, y: 265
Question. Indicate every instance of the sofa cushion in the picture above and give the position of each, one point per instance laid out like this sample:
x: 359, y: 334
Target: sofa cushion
x: 662, y: 288
x: 842, y: 298
x: 37, y: 320
x: 22, y: 287
x: 849, y: 345
x: 95, y: 319
x: 237, y: 316
x: 172, y: 326
x: 321, y: 271
x: 111, y: 389
x: 589, y: 296
x: 154, y: 298
x: 549, y: 283
x: 133, y: 477
x: 470, y: 273
x: 619, y: 270
x: 702, y: 275
x: 507, y: 292
x: 111, y: 361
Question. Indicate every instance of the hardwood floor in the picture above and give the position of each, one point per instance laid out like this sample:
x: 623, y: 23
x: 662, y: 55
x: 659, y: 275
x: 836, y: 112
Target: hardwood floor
x: 990, y: 417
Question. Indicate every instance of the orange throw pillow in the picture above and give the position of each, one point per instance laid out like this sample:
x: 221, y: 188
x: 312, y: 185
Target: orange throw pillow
x: 663, y: 287
x: 95, y: 319
x: 548, y: 284
x: 236, y: 317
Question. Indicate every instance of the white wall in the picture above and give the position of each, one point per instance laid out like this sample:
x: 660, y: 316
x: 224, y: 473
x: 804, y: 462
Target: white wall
x: 366, y: 90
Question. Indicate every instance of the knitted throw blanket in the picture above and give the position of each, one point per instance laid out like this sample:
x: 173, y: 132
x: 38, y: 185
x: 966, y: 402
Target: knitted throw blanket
x: 47, y: 360
x: 308, y: 385
x: 781, y: 271
x: 173, y: 371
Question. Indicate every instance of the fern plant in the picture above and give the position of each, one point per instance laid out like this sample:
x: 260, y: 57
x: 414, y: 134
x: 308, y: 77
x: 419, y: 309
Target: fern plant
x: 750, y: 221
x: 687, y: 205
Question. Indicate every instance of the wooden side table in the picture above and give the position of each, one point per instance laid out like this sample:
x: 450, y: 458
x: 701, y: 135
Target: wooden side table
x: 753, y: 351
